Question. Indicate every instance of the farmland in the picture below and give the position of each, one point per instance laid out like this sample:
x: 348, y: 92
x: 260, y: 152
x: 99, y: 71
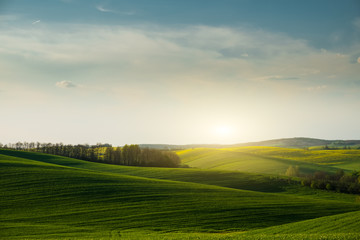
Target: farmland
x: 51, y: 197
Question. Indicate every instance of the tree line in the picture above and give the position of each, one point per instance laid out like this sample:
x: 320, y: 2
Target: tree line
x: 129, y: 155
x: 339, y: 181
x: 326, y: 147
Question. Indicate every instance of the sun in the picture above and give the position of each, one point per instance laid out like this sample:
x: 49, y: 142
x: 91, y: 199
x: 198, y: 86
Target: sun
x: 223, y: 130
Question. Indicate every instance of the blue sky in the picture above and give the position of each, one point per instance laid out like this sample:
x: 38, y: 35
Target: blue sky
x: 178, y: 72
x: 314, y: 21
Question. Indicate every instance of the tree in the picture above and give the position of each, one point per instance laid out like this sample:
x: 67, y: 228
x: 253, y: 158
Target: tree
x: 128, y: 155
x: 109, y: 155
x: 118, y: 157
x: 125, y: 154
x: 133, y: 156
x: 91, y: 154
x: 320, y: 175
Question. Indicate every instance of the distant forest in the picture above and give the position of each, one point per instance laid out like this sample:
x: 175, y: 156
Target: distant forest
x: 129, y: 155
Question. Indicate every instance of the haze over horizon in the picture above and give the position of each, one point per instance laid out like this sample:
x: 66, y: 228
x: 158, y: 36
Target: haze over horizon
x: 178, y: 72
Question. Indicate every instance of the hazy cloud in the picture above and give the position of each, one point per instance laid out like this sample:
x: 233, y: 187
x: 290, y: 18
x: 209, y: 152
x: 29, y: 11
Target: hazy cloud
x: 280, y: 78
x: 340, y: 55
x: 8, y: 18
x: 127, y: 13
x: 356, y: 23
x: 316, y: 88
x: 66, y: 84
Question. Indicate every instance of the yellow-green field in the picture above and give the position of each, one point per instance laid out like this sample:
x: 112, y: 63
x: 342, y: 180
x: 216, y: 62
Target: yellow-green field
x: 271, y: 160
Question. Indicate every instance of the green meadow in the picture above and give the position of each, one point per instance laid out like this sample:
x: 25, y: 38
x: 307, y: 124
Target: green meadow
x: 51, y: 197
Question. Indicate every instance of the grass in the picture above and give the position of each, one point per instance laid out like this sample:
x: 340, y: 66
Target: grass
x: 51, y: 197
x: 271, y: 160
x: 341, y: 226
x: 223, y: 178
x: 345, y: 223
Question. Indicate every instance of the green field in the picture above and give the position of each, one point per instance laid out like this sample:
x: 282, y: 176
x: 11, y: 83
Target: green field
x: 51, y: 197
x: 272, y: 160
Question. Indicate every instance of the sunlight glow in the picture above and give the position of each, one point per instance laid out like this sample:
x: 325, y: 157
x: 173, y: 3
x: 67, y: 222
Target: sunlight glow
x: 223, y: 130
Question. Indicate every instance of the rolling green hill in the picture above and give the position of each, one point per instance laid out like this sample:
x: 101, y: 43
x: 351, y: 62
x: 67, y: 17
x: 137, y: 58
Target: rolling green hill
x: 272, y: 160
x: 50, y: 197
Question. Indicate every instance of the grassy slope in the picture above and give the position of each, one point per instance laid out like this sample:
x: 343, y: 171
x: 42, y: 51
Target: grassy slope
x: 271, y: 159
x: 232, y: 179
x: 346, y: 223
x: 336, y: 227
x: 340, y: 226
x: 42, y: 199
x: 224, y: 178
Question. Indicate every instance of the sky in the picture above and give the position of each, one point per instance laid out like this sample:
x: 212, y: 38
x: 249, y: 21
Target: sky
x: 178, y: 72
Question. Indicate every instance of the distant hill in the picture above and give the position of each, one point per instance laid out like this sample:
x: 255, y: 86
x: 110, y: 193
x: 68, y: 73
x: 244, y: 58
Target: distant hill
x: 301, y: 142
x: 297, y: 142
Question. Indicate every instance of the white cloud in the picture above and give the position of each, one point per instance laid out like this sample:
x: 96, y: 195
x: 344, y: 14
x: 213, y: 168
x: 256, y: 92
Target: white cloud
x: 35, y: 22
x: 65, y: 84
x: 106, y: 10
x: 102, y: 9
x: 187, y: 56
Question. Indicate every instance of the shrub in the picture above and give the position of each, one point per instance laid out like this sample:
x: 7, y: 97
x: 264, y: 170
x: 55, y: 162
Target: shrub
x: 329, y: 186
x: 305, y: 182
